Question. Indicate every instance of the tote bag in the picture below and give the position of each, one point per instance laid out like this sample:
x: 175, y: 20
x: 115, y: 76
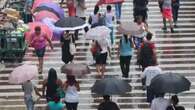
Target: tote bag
x: 72, y: 47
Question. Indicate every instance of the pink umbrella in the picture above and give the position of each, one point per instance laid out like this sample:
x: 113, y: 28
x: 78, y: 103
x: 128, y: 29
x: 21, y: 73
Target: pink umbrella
x: 100, y: 2
x: 23, y: 73
x: 45, y: 14
x: 39, y: 2
x: 44, y: 28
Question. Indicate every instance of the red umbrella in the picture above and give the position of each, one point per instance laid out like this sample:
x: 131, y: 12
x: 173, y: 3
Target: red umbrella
x: 45, y: 14
x: 44, y: 28
x: 100, y: 2
x: 39, y: 2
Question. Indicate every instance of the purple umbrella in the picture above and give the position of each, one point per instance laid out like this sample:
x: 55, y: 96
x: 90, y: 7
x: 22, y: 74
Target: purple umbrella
x: 55, y: 7
x: 56, y: 31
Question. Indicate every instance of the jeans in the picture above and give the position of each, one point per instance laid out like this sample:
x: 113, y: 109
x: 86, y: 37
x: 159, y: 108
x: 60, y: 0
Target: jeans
x: 125, y: 65
x: 29, y: 102
x: 112, y: 35
x: 118, y: 10
x: 71, y: 106
x: 175, y: 10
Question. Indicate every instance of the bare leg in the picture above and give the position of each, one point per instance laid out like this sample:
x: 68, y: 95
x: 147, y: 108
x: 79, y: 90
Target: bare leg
x: 40, y: 64
x: 98, y: 69
x: 103, y: 69
x: 171, y: 25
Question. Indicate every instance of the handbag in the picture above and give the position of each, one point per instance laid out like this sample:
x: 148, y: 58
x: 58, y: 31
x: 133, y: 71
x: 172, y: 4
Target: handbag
x: 35, y: 97
x: 72, y: 47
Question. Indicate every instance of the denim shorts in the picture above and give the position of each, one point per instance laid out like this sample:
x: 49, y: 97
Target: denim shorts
x: 40, y: 52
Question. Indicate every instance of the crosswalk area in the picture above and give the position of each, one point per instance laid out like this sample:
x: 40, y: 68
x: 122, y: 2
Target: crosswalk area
x: 175, y: 52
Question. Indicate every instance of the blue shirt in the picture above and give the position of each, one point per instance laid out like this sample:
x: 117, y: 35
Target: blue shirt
x: 55, y: 106
x: 125, y: 47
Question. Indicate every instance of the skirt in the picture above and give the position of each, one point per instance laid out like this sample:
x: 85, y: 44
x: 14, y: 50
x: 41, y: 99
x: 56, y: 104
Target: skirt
x: 101, y: 58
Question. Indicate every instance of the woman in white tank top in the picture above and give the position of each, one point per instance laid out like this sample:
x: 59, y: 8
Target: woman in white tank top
x: 72, y: 96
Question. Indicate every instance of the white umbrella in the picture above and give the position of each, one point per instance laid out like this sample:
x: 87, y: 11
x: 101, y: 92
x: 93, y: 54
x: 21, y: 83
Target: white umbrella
x: 23, y: 73
x: 130, y: 28
x: 98, y: 33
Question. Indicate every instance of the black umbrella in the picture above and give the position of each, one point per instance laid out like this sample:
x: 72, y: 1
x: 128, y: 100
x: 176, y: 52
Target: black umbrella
x: 41, y: 8
x: 170, y: 83
x: 111, y: 86
x: 71, y: 23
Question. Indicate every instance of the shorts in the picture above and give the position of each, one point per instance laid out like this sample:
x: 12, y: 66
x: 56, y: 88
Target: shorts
x: 40, y: 52
x: 167, y: 13
x: 137, y: 41
x: 101, y: 58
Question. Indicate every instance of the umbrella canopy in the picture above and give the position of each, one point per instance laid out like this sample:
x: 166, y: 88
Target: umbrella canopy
x: 71, y: 23
x: 111, y: 86
x: 44, y: 28
x: 75, y: 69
x: 44, y: 8
x: 170, y: 83
x: 129, y: 28
x: 55, y: 7
x: 98, y: 33
x: 100, y: 2
x: 39, y: 2
x: 45, y: 14
x: 57, y: 33
x: 23, y: 73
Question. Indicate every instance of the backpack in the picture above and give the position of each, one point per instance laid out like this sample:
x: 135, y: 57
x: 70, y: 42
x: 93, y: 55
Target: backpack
x: 146, y: 55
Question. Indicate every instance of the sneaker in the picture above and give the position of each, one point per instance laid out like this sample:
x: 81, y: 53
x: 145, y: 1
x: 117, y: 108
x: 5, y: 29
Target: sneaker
x: 175, y: 26
x: 118, y: 22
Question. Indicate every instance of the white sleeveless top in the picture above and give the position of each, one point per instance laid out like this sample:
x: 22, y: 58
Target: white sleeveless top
x: 72, y: 95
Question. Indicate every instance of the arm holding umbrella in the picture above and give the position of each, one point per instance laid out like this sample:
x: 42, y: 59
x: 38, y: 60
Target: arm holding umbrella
x: 37, y: 91
x: 65, y: 86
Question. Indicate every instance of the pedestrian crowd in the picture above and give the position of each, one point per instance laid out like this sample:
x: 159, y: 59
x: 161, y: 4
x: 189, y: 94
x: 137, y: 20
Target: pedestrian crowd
x: 58, y: 93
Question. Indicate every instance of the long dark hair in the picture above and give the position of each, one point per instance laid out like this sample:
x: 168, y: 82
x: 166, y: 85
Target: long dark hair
x: 71, y: 80
x: 126, y: 38
x: 51, y: 80
x: 96, y: 9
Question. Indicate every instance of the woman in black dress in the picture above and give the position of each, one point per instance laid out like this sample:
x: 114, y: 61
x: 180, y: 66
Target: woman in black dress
x: 65, y: 40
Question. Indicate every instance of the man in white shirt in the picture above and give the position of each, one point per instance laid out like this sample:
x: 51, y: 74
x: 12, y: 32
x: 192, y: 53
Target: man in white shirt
x: 109, y: 18
x: 149, y: 73
x: 80, y: 12
x: 160, y: 103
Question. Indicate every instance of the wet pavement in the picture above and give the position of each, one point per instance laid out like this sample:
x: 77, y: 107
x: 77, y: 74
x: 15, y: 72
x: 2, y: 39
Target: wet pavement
x: 175, y: 52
